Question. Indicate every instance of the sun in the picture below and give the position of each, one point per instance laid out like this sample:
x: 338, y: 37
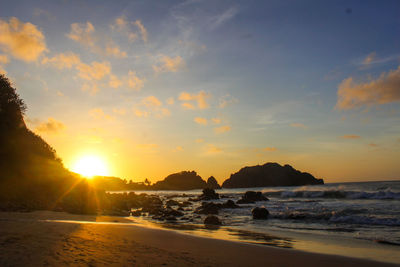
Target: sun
x: 90, y: 166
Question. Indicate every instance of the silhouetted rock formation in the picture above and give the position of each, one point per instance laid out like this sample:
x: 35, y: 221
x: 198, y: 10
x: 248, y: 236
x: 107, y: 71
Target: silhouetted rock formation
x: 212, y: 183
x: 269, y: 174
x: 252, y: 197
x: 181, y: 181
x: 260, y: 213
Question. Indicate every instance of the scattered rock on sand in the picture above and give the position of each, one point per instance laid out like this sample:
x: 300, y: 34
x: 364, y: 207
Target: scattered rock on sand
x: 213, y: 220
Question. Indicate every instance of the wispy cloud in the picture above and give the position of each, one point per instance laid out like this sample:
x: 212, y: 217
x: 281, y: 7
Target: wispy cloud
x: 227, y: 100
x: 222, y: 129
x: 222, y: 18
x: 134, y: 82
x: 201, y: 98
x: 85, y: 34
x: 298, y: 125
x: 216, y: 120
x: 212, y: 149
x: 385, y: 89
x: 98, y: 113
x: 169, y: 64
x: 270, y: 149
x: 201, y: 121
x: 122, y: 25
x: 51, y: 126
x: 351, y: 136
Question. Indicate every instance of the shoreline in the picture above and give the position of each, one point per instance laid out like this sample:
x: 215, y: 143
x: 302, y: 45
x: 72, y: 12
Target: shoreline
x: 36, y: 239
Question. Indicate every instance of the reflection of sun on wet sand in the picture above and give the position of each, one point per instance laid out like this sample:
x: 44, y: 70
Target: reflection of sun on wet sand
x: 30, y: 239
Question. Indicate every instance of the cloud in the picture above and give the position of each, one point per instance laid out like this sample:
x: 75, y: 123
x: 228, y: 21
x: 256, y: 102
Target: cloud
x: 351, y: 136
x: 140, y: 113
x: 151, y: 101
x: 134, y: 82
x: 23, y: 41
x: 298, y: 125
x: 121, y: 24
x: 222, y: 129
x: 369, y: 59
x: 4, y: 59
x: 114, y: 81
x: 199, y: 140
x: 94, y: 71
x: 114, y: 50
x: 227, y: 100
x: 83, y: 34
x: 92, y: 88
x: 212, y: 149
x: 119, y: 111
x: 170, y: 101
x: 169, y: 64
x: 216, y: 120
x: 52, y: 126
x: 98, y: 113
x: 201, y: 99
x: 223, y: 17
x: 201, y: 121
x: 270, y: 149
x: 62, y: 61
x: 188, y: 106
x: 373, y: 145
x: 142, y: 29
x: 383, y: 90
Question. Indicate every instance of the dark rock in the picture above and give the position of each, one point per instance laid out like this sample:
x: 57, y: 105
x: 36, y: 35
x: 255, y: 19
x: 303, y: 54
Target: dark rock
x: 136, y: 213
x: 252, y: 197
x: 208, y: 208
x: 172, y: 202
x: 170, y: 218
x: 185, y: 204
x: 229, y: 204
x: 213, y: 220
x: 180, y: 181
x: 208, y: 194
x: 172, y: 212
x: 269, y: 174
x: 212, y: 183
x: 260, y: 213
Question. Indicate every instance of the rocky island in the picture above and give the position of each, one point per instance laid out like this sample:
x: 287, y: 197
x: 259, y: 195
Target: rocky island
x: 269, y: 174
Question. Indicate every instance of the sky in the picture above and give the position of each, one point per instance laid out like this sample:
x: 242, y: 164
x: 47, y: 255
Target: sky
x: 157, y: 87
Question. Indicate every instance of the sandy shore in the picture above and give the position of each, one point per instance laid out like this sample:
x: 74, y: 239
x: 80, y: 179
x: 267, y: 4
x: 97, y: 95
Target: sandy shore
x: 27, y: 240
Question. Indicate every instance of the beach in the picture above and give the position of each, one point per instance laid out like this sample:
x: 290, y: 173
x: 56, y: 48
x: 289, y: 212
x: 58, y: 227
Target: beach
x: 44, y: 238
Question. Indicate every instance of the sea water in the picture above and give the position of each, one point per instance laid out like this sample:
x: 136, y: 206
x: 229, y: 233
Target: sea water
x: 366, y: 214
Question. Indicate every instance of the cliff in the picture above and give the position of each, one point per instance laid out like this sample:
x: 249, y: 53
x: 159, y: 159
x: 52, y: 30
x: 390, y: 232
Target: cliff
x: 269, y: 174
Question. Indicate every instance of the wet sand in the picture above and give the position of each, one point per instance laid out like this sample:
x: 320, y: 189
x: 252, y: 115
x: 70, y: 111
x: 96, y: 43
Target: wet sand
x: 27, y: 239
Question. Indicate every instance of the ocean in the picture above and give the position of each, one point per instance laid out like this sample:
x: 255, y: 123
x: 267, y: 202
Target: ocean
x: 351, y: 219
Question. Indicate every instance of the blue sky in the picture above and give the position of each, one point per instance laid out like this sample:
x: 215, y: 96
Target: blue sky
x: 212, y: 86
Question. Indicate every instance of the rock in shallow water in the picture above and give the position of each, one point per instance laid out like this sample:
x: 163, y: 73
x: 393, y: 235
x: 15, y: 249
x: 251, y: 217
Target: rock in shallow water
x: 251, y: 197
x: 260, y: 213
